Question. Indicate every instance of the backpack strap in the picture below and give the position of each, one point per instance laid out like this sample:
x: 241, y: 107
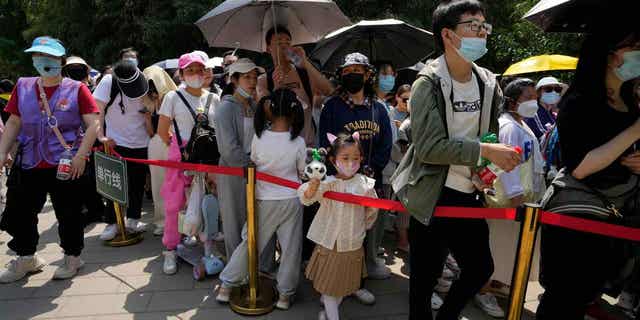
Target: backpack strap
x: 186, y: 103
x: 176, y: 129
x: 115, y: 91
x: 208, y: 104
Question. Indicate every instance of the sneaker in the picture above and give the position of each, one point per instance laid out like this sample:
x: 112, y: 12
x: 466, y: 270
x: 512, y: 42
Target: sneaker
x: 443, y: 285
x: 452, y: 265
x: 109, y: 233
x: 135, y: 225
x: 365, y: 297
x: 20, y: 267
x: 158, y: 231
x: 219, y: 237
x: 626, y: 301
x: 448, y: 274
x: 488, y: 303
x: 436, y: 302
x: 69, y: 268
x: 322, y: 315
x: 170, y: 266
x: 284, y: 302
x: 223, y: 294
x: 380, y: 251
x: 378, y: 272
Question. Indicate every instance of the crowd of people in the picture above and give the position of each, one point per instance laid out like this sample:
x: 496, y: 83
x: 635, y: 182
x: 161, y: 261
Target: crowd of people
x: 427, y: 144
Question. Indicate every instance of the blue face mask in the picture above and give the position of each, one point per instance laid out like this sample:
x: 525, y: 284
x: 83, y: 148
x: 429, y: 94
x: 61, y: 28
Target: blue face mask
x: 386, y: 83
x: 243, y: 93
x: 630, y: 68
x: 47, y: 67
x: 472, y: 49
x: 550, y: 97
x: 132, y: 60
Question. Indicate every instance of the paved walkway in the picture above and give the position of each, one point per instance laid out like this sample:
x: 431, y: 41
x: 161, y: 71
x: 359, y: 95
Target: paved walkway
x: 128, y: 283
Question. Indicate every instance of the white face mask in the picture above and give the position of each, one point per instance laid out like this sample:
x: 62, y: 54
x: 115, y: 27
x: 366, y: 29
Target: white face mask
x: 194, y: 82
x: 528, y: 109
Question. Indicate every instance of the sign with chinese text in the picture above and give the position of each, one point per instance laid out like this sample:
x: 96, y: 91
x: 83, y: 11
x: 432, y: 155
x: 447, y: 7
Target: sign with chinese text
x: 111, y: 177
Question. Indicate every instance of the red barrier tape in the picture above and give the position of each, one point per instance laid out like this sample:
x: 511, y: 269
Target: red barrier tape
x: 549, y: 218
x: 591, y: 226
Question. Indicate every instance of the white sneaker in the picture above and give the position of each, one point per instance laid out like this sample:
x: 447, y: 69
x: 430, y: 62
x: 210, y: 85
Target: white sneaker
x: 158, y: 231
x: 488, y: 303
x: 443, y: 285
x: 20, y: 267
x: 284, y: 302
x: 364, y: 296
x: 170, y: 265
x: 223, y: 294
x: 322, y: 315
x: 135, y: 225
x: 109, y: 233
x: 436, y: 301
x: 69, y: 269
x: 190, y: 241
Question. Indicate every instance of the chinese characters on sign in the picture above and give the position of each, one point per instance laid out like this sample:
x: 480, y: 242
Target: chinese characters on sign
x: 111, y: 177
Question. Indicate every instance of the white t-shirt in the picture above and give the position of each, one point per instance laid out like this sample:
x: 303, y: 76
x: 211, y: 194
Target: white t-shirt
x: 276, y: 154
x: 173, y: 108
x: 465, y: 125
x: 128, y: 129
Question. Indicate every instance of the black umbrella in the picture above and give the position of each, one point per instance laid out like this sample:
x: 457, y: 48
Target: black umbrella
x: 580, y: 15
x: 381, y: 40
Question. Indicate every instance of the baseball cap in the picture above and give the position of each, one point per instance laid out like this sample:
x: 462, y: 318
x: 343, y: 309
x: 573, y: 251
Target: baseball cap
x: 355, y: 58
x: 188, y: 58
x: 244, y: 65
x: 47, y: 45
x: 547, y: 81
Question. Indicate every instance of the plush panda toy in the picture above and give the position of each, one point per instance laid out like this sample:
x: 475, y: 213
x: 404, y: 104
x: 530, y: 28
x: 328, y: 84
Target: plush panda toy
x: 316, y: 168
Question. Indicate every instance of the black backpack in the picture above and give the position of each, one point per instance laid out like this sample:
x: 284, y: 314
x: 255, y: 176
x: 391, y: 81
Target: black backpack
x: 202, y: 147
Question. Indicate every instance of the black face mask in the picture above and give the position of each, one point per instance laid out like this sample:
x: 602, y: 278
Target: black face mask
x: 353, y: 82
x: 78, y: 74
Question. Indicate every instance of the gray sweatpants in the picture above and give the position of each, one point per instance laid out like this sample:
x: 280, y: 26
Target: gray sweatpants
x: 233, y: 209
x: 281, y: 217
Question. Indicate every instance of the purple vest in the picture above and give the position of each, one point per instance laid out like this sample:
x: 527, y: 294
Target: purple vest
x: 38, y: 141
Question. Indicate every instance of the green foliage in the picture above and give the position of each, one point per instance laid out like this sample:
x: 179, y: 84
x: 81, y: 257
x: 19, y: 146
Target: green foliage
x: 161, y: 29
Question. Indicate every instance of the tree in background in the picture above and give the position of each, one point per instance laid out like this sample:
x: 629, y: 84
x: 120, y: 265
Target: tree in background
x: 162, y: 29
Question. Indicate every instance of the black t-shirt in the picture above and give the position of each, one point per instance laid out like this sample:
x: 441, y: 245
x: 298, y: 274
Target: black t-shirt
x: 583, y: 127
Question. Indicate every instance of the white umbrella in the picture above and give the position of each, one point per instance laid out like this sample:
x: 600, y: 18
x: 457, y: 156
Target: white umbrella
x: 244, y: 23
x: 391, y: 40
x: 167, y: 64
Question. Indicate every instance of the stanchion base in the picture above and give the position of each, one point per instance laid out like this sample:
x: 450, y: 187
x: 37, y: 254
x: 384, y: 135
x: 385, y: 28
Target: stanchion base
x: 265, y: 301
x: 129, y: 239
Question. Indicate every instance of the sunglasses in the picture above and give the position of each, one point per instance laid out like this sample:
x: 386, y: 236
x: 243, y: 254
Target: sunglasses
x: 555, y: 88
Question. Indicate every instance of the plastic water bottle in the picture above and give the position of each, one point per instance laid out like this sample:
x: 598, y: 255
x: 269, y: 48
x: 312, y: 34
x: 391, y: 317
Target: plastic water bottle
x: 489, y: 173
x: 294, y: 58
x: 64, y: 166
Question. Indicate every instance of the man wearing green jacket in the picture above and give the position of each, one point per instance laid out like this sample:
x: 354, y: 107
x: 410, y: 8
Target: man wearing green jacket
x: 453, y: 103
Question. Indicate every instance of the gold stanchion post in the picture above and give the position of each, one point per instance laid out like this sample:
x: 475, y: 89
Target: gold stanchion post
x: 122, y: 239
x: 530, y: 220
x: 257, y: 297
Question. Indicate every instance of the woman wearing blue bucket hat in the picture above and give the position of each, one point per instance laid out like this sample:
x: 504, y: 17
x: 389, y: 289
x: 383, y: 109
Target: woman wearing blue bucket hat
x: 47, y: 116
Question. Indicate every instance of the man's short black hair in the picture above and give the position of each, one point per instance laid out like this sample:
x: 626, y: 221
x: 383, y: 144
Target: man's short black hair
x: 6, y: 86
x: 272, y: 32
x: 447, y: 15
x: 125, y: 50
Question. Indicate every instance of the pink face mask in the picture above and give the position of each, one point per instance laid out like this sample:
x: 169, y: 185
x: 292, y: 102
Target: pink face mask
x: 347, y: 168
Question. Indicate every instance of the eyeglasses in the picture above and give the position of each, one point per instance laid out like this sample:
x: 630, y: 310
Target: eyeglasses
x: 476, y: 26
x: 557, y: 89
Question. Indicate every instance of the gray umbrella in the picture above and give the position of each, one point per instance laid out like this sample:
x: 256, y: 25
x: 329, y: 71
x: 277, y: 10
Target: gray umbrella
x: 389, y: 40
x: 244, y: 23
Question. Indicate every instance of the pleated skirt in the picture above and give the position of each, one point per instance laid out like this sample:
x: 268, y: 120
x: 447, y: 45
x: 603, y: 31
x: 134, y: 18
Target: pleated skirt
x: 334, y: 273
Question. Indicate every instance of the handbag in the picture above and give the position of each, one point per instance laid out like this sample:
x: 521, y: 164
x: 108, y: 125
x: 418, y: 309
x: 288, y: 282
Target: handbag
x: 619, y: 204
x: 500, y: 200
